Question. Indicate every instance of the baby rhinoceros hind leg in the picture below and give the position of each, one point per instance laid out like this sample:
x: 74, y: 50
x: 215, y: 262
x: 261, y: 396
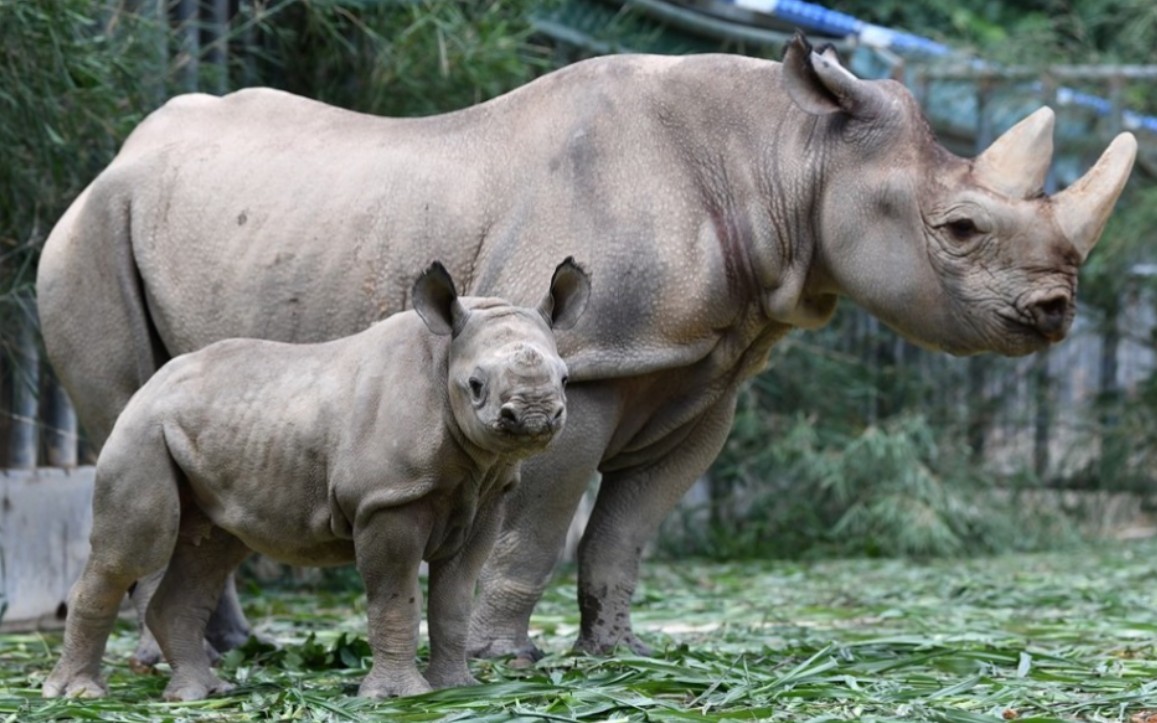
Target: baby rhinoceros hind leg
x: 204, y: 557
x: 136, y: 516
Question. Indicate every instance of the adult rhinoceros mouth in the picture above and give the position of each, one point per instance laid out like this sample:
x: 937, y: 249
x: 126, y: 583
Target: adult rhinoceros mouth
x: 1031, y: 337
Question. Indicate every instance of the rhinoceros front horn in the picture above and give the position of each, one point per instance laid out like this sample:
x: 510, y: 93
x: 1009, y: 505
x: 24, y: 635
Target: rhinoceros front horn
x: 1082, y: 209
x: 1016, y: 163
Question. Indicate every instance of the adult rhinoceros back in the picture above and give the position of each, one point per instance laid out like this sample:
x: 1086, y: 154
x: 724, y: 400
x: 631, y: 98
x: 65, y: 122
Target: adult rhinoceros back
x: 717, y: 201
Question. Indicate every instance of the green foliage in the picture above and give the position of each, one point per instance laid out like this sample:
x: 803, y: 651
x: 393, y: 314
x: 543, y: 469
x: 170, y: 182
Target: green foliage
x: 1032, y: 31
x: 347, y: 651
x: 854, y: 442
x: 898, y: 488
x: 1106, y: 278
x: 400, y: 58
x: 76, y: 77
x: 70, y: 90
x: 1123, y: 425
x: 1037, y: 637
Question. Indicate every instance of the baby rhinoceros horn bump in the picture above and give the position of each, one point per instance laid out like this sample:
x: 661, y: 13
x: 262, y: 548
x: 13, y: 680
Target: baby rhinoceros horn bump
x: 527, y: 356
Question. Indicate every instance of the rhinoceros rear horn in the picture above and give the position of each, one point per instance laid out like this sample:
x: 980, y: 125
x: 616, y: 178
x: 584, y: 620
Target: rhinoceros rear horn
x: 1016, y: 163
x: 1082, y: 209
x: 436, y: 301
x: 819, y: 84
x: 570, y: 289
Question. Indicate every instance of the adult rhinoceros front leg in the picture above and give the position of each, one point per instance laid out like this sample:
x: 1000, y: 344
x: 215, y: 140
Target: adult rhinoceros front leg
x: 630, y: 506
x: 537, y: 516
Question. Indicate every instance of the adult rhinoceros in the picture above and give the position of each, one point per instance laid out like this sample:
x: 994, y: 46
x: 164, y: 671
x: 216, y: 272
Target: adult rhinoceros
x: 718, y: 202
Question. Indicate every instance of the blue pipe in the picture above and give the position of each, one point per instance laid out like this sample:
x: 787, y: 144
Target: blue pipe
x: 819, y: 19
x: 832, y: 22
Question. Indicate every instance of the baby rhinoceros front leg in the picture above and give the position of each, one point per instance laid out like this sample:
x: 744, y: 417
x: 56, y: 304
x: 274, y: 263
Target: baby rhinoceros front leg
x: 389, y: 551
x: 452, y: 581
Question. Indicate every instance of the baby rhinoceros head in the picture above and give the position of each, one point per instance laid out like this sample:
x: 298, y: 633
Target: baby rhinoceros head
x: 506, y: 379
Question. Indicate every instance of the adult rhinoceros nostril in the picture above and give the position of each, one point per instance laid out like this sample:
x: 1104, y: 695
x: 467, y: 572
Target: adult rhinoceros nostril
x: 1051, y: 314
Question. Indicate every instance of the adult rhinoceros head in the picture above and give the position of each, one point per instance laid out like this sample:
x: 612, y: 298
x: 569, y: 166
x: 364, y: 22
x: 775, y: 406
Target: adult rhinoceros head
x: 506, y: 378
x: 955, y: 254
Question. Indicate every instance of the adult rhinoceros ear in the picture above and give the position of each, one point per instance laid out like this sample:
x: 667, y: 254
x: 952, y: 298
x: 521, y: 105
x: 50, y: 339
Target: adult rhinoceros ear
x: 819, y: 84
x: 436, y: 301
x: 570, y: 288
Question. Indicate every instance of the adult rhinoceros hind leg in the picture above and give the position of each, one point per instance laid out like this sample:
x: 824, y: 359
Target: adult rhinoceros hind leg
x: 179, y: 610
x: 102, y: 356
x: 630, y: 506
x: 227, y: 627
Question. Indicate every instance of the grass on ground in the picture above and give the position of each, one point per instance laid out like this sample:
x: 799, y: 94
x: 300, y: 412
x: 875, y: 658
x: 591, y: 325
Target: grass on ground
x: 1049, y: 637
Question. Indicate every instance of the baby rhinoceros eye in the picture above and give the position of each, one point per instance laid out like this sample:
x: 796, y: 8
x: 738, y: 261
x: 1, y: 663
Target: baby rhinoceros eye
x: 476, y: 388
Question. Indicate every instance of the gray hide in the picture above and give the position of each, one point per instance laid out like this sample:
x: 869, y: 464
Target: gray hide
x: 720, y: 201
x: 387, y: 447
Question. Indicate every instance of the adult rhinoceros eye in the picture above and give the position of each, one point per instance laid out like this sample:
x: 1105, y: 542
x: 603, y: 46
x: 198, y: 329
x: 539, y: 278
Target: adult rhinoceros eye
x: 962, y: 229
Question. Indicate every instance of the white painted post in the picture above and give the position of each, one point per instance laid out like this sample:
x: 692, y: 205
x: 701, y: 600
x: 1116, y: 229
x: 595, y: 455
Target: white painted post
x: 60, y: 437
x: 23, y: 436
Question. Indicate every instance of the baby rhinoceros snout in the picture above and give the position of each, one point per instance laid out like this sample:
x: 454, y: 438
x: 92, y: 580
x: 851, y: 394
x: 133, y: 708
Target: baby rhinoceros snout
x: 1051, y: 312
x: 536, y: 421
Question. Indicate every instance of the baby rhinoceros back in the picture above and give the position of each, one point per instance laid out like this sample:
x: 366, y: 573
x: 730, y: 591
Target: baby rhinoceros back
x: 383, y: 448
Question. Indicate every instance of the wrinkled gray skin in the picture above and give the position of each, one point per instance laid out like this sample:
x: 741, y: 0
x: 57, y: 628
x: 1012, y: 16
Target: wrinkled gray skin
x: 387, y: 447
x: 719, y: 201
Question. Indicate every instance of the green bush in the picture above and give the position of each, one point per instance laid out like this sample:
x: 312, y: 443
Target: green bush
x: 829, y: 455
x: 894, y: 489
x: 400, y: 58
x: 70, y: 90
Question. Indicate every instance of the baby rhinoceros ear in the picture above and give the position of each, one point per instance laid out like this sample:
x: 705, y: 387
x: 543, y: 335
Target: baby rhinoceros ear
x: 436, y: 301
x: 570, y: 288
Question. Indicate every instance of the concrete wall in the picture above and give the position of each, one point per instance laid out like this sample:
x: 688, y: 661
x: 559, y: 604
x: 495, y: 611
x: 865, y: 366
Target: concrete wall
x: 45, y: 520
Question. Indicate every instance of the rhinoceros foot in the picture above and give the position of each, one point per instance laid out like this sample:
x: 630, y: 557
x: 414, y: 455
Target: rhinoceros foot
x: 76, y: 685
x: 450, y: 678
x: 145, y: 658
x: 228, y: 628
x: 148, y: 653
x: 603, y: 646
x: 393, y: 686
x: 521, y: 655
x: 222, y: 640
x: 195, y: 686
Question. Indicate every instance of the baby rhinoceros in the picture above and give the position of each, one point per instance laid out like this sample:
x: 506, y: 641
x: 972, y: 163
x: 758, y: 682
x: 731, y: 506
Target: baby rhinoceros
x: 383, y: 448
